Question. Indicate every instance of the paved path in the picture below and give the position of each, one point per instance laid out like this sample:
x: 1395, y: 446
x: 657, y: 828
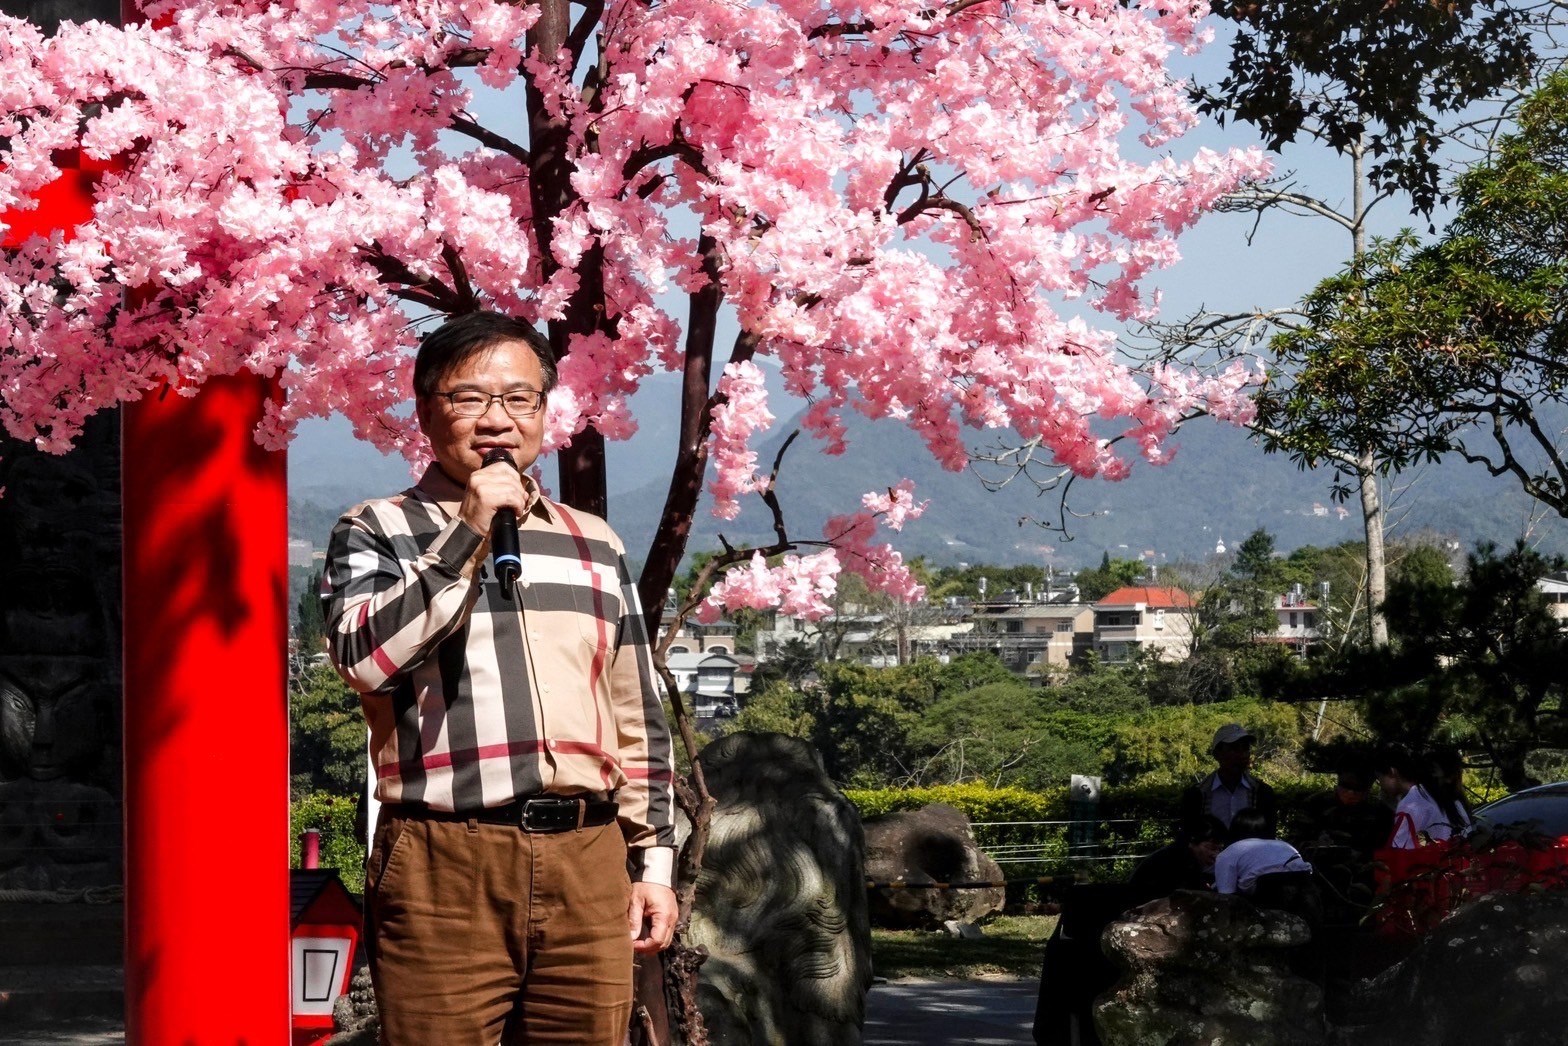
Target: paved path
x: 994, y: 1012
x: 87, y: 1032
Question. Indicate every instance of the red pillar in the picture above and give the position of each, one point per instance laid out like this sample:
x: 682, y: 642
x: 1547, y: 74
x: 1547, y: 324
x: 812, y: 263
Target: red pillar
x: 206, y: 726
x: 205, y: 513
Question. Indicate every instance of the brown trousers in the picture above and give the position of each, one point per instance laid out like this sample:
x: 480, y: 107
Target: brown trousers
x: 482, y: 933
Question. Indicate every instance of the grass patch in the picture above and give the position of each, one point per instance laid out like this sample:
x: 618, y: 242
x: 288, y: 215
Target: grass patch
x: 1012, y: 946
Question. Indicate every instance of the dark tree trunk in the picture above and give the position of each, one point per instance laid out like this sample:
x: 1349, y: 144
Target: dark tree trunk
x: 48, y: 14
x: 582, y: 473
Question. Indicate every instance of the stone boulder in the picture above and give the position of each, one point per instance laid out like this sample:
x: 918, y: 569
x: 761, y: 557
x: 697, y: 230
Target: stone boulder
x: 355, y: 1021
x: 934, y: 844
x: 1495, y: 972
x: 781, y: 899
x: 1201, y: 968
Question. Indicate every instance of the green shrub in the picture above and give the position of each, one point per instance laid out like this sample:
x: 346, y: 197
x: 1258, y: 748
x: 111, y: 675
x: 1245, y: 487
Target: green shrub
x: 334, y: 816
x: 1131, y: 821
x: 978, y: 802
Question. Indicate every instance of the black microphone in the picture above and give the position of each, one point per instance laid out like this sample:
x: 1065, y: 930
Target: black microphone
x: 503, y: 534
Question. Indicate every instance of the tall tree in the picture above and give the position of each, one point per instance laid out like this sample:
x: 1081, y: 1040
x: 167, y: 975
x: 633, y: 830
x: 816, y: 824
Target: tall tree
x: 1374, y: 81
x: 1458, y: 347
x: 1368, y: 77
x: 310, y: 627
x: 1479, y: 662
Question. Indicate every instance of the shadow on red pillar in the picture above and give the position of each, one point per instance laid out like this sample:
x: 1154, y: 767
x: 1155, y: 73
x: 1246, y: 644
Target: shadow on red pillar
x: 206, y: 726
x: 206, y: 723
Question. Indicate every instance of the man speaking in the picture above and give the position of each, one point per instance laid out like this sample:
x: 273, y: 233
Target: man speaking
x: 523, y: 763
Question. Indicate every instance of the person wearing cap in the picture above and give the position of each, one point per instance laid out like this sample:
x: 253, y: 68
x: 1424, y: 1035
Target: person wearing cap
x: 1230, y: 788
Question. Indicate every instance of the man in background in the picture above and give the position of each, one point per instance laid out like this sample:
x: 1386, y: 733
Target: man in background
x: 1230, y: 787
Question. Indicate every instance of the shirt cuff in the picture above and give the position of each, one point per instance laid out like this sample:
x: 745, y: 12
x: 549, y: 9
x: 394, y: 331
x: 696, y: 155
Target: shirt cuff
x: 457, y: 545
x: 654, y: 864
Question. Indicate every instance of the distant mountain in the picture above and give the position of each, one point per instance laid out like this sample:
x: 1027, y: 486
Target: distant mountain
x: 1220, y: 486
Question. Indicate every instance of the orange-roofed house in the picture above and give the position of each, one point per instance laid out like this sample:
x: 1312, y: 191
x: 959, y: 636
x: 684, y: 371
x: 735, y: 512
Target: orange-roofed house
x: 1148, y: 617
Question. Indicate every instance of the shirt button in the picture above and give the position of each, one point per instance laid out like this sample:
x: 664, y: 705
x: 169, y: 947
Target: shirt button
x: 550, y: 744
x: 533, y: 633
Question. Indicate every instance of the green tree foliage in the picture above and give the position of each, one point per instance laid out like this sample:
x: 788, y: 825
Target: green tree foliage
x: 1232, y: 621
x: 859, y: 718
x: 1171, y: 744
x: 327, y: 735
x: 969, y: 672
x: 1480, y: 662
x: 999, y: 733
x: 964, y: 581
x: 336, y: 818
x: 793, y: 662
x: 310, y: 627
x: 1095, y: 583
x: 1373, y: 74
x: 1459, y: 347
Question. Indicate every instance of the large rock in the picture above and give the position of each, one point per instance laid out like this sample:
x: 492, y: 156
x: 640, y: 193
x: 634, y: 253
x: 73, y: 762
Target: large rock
x: 1496, y: 972
x: 1201, y: 968
x: 355, y: 1021
x: 781, y: 900
x: 934, y: 844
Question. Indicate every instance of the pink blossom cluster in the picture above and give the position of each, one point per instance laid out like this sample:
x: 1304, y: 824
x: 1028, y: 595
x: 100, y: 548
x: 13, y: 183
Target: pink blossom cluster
x: 878, y: 563
x: 912, y: 207
x: 800, y: 586
x: 803, y: 586
x: 742, y: 412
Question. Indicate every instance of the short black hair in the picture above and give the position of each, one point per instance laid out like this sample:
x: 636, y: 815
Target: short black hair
x: 1203, y: 829
x: 1401, y: 761
x: 1357, y: 778
x: 461, y: 338
x: 1250, y: 823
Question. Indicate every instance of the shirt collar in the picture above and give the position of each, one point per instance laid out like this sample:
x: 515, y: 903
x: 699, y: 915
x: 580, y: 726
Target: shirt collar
x: 1245, y: 782
x: 436, y: 485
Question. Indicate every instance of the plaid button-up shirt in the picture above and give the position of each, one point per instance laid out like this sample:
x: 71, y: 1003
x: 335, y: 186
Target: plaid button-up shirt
x: 473, y: 700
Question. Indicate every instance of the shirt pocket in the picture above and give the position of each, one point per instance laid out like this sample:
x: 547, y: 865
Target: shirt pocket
x: 596, y: 600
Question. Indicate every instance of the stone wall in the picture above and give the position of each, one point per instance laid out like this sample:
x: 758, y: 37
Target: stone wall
x: 60, y: 678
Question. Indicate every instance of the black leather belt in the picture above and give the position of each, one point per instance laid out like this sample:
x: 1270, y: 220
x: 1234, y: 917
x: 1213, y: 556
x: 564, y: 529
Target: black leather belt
x: 550, y: 813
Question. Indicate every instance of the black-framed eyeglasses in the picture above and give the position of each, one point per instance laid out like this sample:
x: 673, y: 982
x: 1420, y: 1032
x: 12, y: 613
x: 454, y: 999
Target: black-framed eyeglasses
x: 471, y: 403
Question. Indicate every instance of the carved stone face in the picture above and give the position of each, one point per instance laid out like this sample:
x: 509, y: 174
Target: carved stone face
x: 57, y: 734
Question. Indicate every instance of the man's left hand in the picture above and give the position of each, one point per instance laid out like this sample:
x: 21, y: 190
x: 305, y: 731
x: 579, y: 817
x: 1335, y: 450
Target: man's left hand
x: 652, y: 916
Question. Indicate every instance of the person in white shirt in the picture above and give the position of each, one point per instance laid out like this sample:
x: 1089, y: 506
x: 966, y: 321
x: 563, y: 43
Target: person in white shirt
x: 1426, y: 811
x: 1253, y: 853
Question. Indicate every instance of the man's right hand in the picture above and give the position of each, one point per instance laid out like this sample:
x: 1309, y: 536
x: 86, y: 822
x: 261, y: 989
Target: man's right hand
x: 491, y: 489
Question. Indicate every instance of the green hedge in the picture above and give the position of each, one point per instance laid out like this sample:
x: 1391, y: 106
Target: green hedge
x: 1131, y: 822
x: 1134, y: 803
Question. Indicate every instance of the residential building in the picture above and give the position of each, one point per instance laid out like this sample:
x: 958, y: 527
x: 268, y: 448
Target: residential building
x: 1555, y: 588
x: 1298, y: 621
x: 1029, y: 638
x: 1143, y: 617
x: 697, y: 638
x: 862, y: 634
x: 707, y: 680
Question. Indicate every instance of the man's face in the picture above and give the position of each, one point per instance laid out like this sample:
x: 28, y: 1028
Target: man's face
x: 460, y: 443
x: 1235, y: 757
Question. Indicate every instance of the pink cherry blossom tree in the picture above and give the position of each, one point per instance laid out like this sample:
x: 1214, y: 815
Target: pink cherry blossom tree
x: 915, y: 209
x: 921, y: 211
